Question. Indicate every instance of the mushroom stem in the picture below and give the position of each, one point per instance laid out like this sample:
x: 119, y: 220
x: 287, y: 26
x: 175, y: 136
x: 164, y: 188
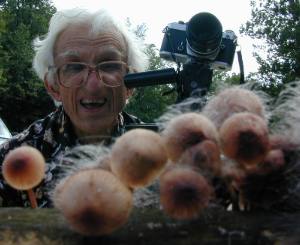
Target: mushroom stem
x: 32, y: 198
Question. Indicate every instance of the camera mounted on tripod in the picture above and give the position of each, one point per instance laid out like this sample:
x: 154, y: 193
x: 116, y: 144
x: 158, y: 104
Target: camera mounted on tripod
x: 197, y: 47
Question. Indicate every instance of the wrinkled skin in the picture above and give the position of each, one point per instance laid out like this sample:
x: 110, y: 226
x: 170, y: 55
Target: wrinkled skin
x: 75, y: 44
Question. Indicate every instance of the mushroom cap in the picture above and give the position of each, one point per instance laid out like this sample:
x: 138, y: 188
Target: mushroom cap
x: 204, y: 156
x: 93, y: 201
x: 138, y: 157
x: 233, y: 100
x: 186, y: 130
x: 244, y: 137
x: 184, y: 193
x: 23, y: 167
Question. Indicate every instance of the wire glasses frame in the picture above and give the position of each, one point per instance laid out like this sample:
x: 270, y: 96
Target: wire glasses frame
x: 75, y: 74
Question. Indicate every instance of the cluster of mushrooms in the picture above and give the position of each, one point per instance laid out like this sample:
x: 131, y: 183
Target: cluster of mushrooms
x: 229, y: 140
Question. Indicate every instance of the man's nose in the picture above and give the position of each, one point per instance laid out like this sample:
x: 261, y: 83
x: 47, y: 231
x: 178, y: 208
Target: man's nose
x: 94, y: 80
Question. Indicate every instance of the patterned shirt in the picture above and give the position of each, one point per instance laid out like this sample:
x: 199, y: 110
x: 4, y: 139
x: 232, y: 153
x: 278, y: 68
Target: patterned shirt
x: 52, y: 136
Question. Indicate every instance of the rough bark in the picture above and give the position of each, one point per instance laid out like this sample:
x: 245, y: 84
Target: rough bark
x: 151, y: 226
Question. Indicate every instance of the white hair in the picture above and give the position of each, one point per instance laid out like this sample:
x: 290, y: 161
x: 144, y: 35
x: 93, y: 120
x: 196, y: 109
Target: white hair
x: 100, y: 21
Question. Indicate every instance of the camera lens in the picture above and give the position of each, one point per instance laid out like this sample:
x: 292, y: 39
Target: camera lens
x: 204, y: 35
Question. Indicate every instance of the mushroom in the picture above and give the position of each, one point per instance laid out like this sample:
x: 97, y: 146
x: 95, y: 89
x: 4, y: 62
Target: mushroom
x: 93, y: 201
x: 244, y: 138
x: 138, y: 157
x: 184, y: 193
x: 23, y: 169
x: 186, y: 130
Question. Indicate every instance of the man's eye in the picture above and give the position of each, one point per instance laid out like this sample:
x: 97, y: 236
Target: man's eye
x: 72, y: 68
x: 110, y: 67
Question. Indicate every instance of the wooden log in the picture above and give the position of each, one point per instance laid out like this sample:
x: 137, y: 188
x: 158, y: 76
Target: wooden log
x: 150, y: 226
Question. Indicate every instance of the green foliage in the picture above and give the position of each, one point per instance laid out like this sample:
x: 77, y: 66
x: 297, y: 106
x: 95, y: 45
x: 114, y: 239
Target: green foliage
x: 223, y: 79
x: 21, y: 91
x: 148, y: 103
x: 277, y: 24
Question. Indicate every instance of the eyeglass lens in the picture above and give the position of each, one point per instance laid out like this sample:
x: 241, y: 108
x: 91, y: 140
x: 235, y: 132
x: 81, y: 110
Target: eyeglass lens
x: 75, y: 74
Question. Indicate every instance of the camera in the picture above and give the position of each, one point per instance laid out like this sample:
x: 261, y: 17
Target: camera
x: 198, y: 47
x: 201, y: 39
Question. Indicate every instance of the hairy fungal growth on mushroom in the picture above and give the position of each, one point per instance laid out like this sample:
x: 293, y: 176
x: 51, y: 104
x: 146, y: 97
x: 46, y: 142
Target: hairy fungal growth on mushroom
x: 233, y: 100
x: 274, y: 183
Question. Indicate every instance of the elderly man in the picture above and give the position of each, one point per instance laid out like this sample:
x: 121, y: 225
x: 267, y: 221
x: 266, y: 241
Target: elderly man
x: 82, y: 61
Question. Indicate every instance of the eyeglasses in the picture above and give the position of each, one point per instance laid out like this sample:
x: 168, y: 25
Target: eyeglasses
x: 75, y: 74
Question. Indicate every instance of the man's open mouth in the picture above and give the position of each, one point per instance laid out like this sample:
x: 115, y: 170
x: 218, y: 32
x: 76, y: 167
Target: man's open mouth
x: 92, y: 103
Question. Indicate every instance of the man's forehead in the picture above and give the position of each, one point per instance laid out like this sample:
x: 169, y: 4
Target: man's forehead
x: 91, y: 31
x: 76, y: 36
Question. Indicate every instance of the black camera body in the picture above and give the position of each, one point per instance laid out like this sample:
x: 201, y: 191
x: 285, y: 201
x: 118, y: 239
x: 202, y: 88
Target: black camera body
x: 210, y: 45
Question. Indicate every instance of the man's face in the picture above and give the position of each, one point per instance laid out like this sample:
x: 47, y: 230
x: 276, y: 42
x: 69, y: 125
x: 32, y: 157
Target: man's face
x: 94, y: 107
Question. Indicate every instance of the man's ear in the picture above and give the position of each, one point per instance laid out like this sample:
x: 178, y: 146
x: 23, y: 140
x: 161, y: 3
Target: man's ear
x: 52, y: 88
